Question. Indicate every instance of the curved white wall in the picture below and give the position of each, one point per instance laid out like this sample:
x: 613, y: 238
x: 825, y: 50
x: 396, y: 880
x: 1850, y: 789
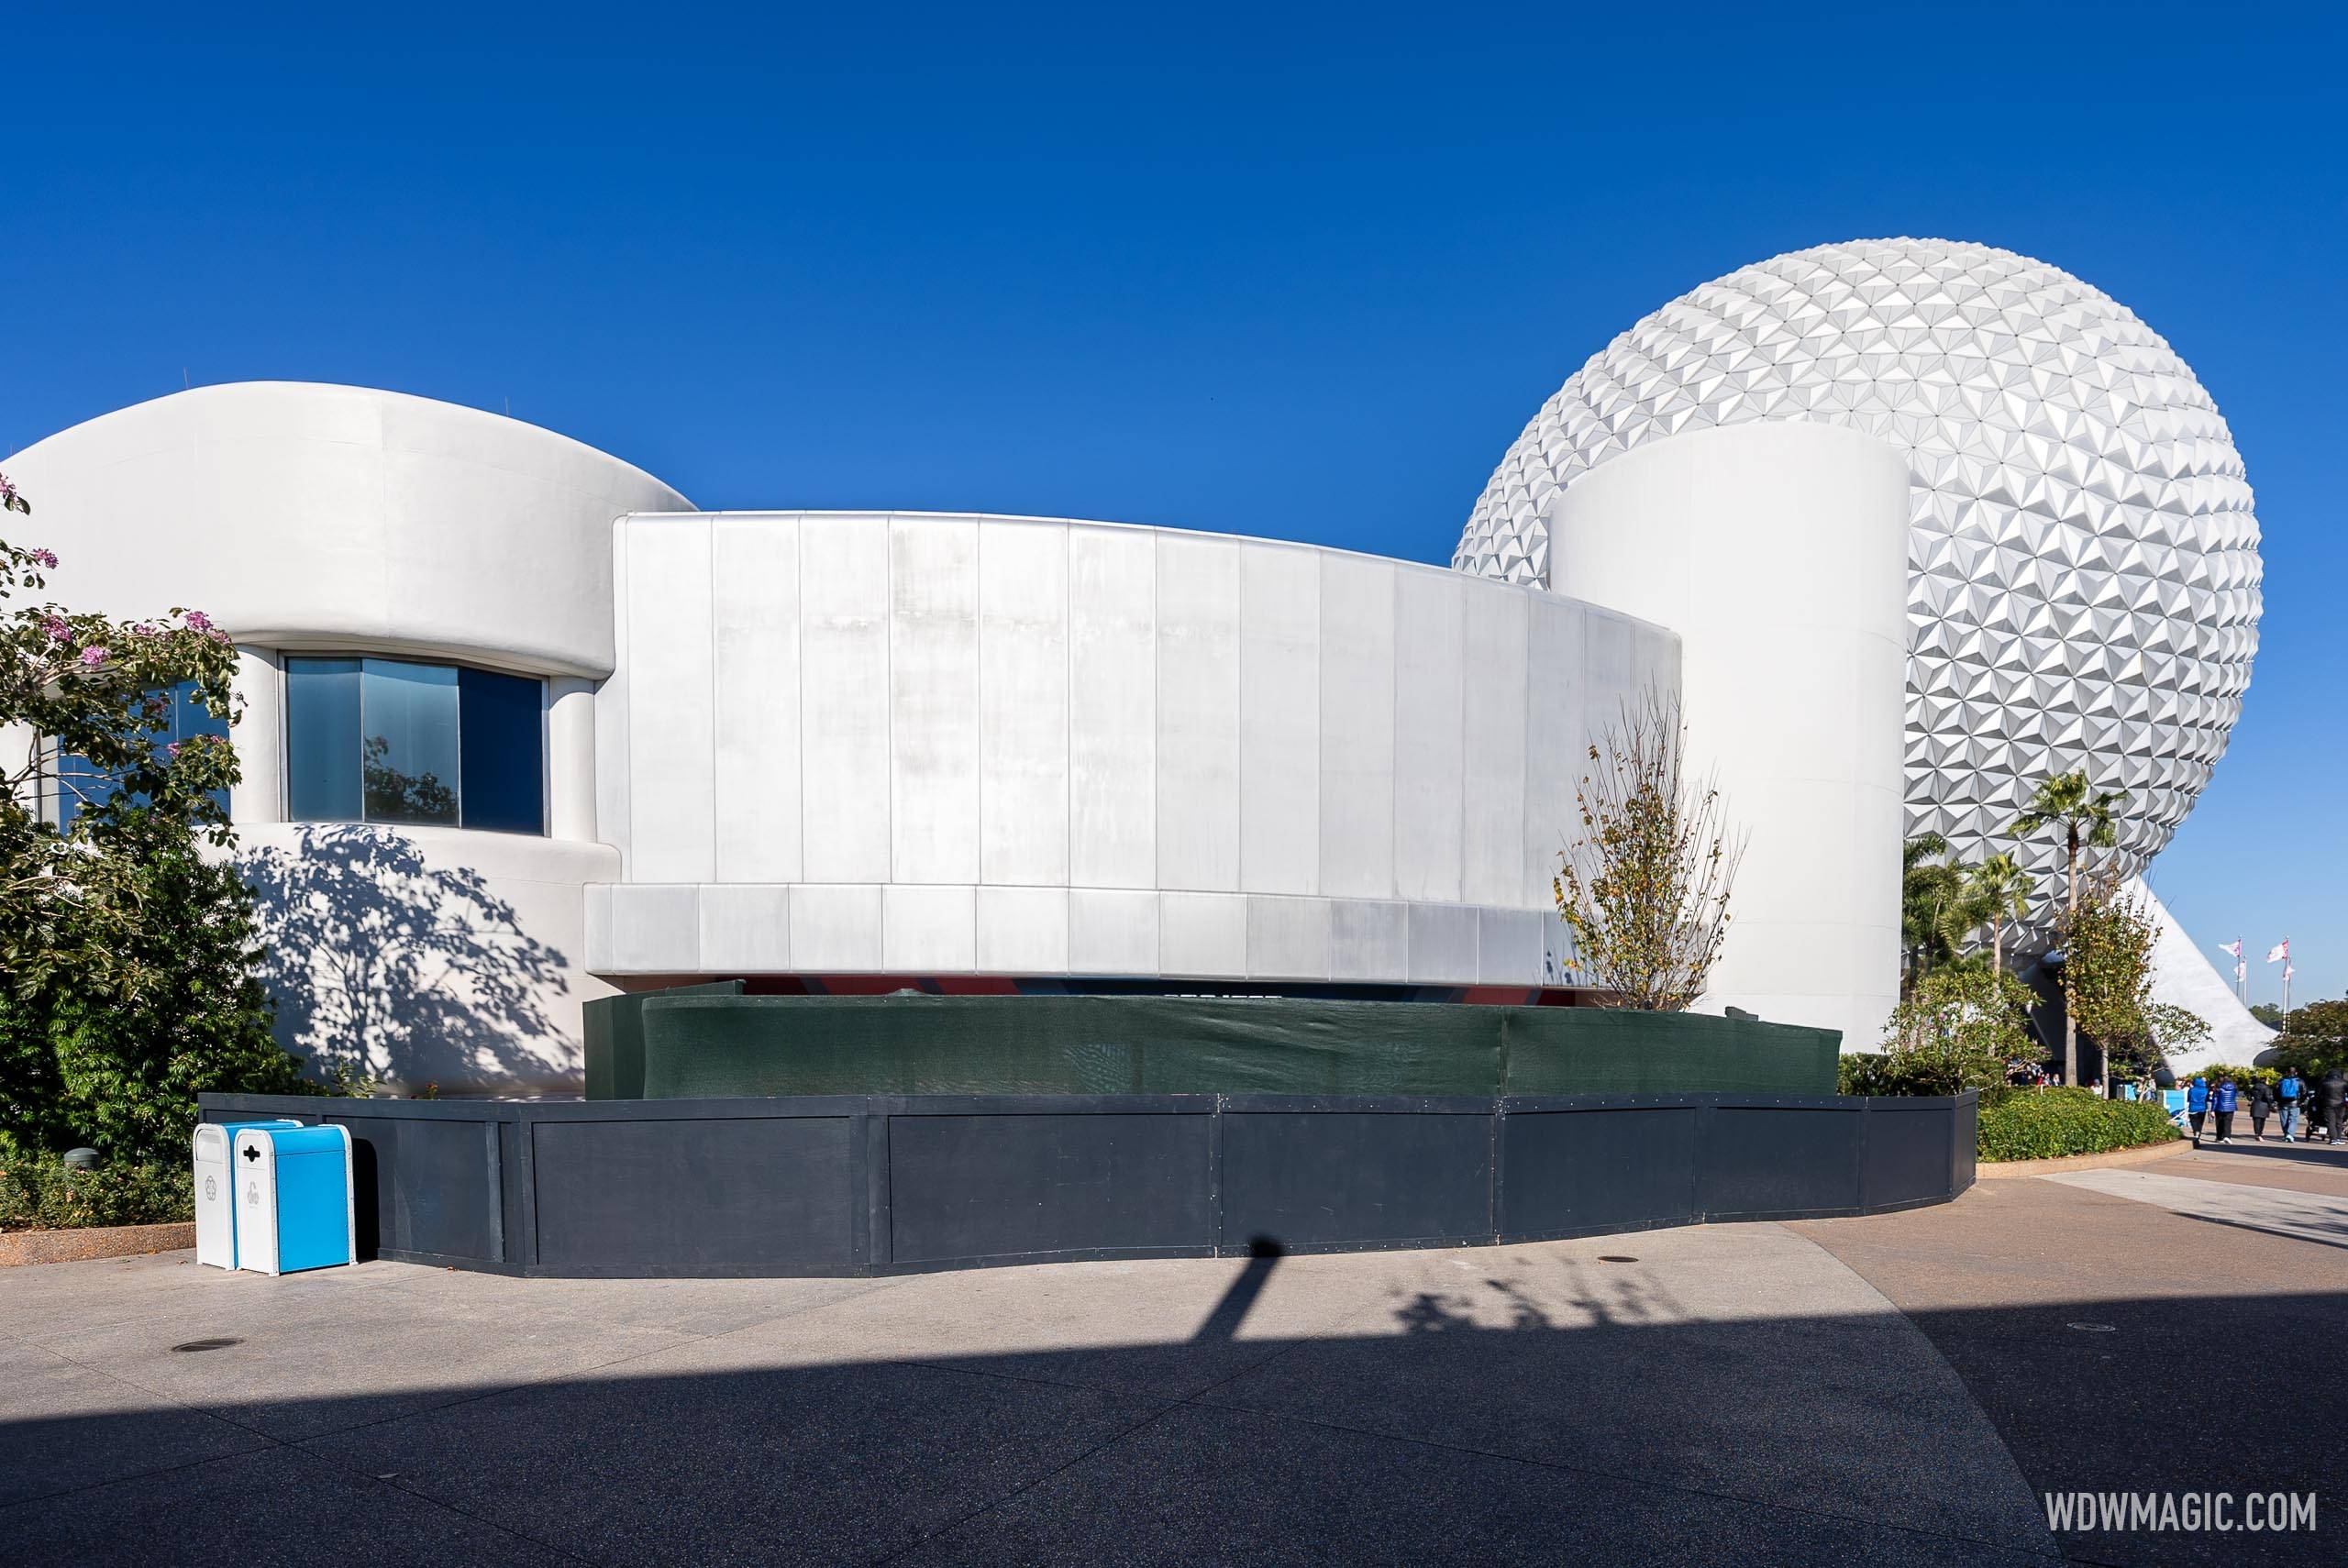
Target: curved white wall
x: 1777, y: 551
x: 300, y: 516
x: 926, y: 744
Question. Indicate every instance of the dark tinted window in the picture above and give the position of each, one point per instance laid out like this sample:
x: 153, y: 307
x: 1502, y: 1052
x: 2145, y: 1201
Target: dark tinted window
x: 504, y: 752
x: 385, y: 740
x: 409, y: 758
x: 322, y: 740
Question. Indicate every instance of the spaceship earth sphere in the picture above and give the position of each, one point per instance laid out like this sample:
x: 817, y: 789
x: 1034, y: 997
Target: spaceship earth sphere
x: 2082, y: 554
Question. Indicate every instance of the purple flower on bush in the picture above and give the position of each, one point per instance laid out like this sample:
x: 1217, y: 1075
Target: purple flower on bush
x: 143, y: 629
x: 95, y: 654
x: 173, y: 751
x: 58, y: 631
x: 197, y: 621
x: 47, y: 559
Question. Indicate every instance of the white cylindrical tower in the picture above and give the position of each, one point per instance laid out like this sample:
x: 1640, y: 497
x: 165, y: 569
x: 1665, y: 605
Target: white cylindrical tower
x: 1777, y: 551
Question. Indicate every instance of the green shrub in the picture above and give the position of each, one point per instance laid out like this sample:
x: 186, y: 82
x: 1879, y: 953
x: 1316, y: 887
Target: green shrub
x: 2048, y: 1123
x: 1955, y: 1029
x: 38, y: 1193
x: 121, y: 1071
x: 2313, y: 1058
x: 1890, y: 1072
x: 2242, y: 1076
x: 1862, y: 1072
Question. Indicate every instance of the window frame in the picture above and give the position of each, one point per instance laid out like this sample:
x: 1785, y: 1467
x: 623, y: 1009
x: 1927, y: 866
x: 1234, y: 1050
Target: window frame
x: 284, y: 662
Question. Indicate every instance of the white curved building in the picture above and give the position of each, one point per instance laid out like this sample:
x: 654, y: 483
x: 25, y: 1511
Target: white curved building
x: 2082, y: 553
x: 919, y: 745
x: 1905, y: 528
x: 520, y: 727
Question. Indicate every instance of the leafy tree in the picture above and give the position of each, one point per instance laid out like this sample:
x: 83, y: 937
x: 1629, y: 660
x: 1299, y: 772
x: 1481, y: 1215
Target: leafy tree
x: 89, y: 687
x: 2162, y: 1029
x: 2108, y: 939
x: 2318, y: 1020
x: 2084, y: 813
x: 131, y: 1067
x: 127, y: 951
x: 2268, y: 1014
x: 1645, y: 888
x: 1956, y: 1030
x: 1997, y: 893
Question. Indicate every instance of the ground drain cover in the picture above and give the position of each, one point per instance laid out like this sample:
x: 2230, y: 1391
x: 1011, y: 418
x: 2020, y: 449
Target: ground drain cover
x: 1614, y: 1257
x: 207, y: 1344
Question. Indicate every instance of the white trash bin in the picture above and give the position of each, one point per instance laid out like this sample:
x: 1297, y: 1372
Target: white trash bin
x: 216, y: 1190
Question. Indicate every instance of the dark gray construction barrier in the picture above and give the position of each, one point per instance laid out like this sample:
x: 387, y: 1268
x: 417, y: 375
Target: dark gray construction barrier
x: 705, y: 1042
x: 879, y: 1184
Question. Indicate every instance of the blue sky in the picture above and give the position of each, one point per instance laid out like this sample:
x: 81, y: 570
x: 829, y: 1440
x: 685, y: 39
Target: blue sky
x: 1302, y: 275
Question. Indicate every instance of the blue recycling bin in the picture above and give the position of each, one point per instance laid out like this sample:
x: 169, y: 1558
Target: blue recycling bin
x: 216, y: 1188
x: 295, y: 1205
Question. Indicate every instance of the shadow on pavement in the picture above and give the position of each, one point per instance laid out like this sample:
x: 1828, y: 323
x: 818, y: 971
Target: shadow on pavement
x: 1451, y: 1428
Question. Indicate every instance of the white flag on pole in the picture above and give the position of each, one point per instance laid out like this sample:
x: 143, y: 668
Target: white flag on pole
x: 2242, y: 971
x: 2289, y: 971
x: 2233, y: 947
x: 2280, y: 952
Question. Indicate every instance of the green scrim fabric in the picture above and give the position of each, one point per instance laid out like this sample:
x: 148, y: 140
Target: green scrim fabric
x: 707, y: 1042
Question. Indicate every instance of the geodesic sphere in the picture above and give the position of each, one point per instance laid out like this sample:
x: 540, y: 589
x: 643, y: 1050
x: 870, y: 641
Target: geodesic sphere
x: 2082, y: 555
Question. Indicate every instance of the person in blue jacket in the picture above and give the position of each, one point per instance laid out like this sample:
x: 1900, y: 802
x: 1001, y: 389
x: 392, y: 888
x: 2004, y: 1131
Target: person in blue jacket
x: 2224, y: 1103
x: 2293, y: 1094
x: 2196, y: 1104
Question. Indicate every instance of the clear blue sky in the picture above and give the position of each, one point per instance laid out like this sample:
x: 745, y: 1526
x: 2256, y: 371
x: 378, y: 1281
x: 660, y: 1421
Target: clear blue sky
x: 1305, y: 276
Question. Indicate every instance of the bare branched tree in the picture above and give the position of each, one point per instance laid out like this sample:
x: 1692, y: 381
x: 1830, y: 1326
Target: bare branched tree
x: 1645, y: 888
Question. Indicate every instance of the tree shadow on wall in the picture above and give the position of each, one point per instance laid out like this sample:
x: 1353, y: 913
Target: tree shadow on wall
x: 383, y: 965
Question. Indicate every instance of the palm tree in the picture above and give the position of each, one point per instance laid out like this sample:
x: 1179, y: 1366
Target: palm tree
x: 1930, y: 895
x: 1998, y: 891
x: 2084, y: 811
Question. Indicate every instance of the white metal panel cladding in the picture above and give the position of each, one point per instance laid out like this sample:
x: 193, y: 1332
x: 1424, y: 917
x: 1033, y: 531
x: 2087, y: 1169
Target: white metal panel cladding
x: 1023, y: 707
x: 2083, y: 570
x: 933, y: 735
x: 1112, y: 708
x: 754, y: 613
x: 844, y: 697
x: 1033, y: 746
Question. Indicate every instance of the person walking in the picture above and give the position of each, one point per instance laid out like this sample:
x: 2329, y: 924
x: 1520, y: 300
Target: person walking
x: 2196, y: 1105
x: 2292, y: 1093
x: 2332, y: 1095
x: 2262, y: 1106
x: 2223, y: 1103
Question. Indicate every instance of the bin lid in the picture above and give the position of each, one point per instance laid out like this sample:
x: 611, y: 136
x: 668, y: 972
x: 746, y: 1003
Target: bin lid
x: 212, y: 1139
x: 297, y: 1138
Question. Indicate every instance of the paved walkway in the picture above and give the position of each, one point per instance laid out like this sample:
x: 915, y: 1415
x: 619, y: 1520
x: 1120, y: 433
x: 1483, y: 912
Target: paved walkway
x: 1895, y: 1390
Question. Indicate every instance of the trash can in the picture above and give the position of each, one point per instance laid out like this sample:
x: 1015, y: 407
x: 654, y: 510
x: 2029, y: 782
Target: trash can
x: 295, y: 1203
x: 216, y: 1190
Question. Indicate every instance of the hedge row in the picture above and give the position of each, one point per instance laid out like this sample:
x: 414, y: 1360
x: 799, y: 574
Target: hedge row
x: 2044, y: 1124
x: 38, y: 1193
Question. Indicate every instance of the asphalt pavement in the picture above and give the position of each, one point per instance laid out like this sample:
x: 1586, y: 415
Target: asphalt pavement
x: 1897, y: 1390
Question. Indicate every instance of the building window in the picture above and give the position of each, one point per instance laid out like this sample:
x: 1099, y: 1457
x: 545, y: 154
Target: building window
x: 81, y: 784
x: 383, y: 740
